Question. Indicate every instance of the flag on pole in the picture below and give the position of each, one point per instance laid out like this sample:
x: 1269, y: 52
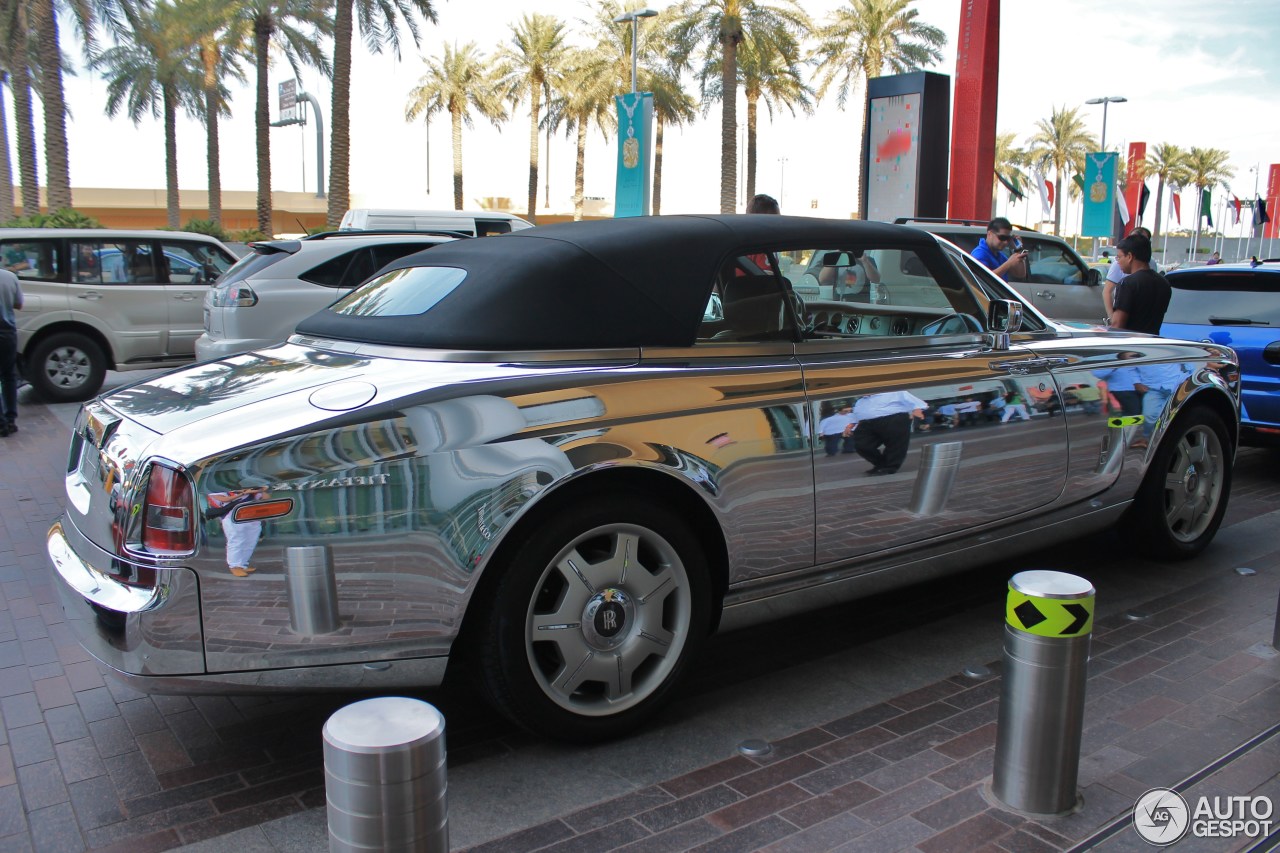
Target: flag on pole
x: 1206, y: 205
x: 1123, y: 207
x: 1177, y: 207
x: 1011, y: 184
x: 1142, y: 199
x: 1235, y: 209
x: 1260, y: 212
x: 1046, y: 193
x: 1079, y: 179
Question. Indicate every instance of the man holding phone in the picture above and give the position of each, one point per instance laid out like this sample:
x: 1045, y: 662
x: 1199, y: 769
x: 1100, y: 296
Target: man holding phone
x: 991, y: 250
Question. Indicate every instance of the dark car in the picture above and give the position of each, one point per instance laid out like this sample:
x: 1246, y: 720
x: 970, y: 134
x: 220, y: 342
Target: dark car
x: 556, y: 460
x: 1238, y: 306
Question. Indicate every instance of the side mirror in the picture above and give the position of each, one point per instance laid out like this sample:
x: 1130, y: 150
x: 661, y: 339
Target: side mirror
x: 1004, y: 315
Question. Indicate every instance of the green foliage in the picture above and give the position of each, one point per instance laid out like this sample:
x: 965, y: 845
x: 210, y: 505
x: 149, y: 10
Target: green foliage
x: 64, y: 218
x: 205, y: 226
x: 249, y: 235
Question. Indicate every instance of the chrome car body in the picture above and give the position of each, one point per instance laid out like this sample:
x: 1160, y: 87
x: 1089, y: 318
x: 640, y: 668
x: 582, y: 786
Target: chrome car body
x: 571, y: 521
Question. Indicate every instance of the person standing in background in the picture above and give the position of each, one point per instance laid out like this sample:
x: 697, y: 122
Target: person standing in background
x: 1115, y: 275
x: 10, y: 302
x: 1141, y: 299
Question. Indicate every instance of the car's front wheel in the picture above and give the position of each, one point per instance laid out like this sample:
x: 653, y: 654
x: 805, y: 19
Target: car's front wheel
x: 1184, y: 496
x: 594, y: 619
x: 66, y: 367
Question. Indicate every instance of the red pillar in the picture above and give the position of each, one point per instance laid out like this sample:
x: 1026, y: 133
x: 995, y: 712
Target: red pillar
x: 973, y: 128
x: 1133, y: 184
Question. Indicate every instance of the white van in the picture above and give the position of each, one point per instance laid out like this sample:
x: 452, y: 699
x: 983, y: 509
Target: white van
x: 478, y: 223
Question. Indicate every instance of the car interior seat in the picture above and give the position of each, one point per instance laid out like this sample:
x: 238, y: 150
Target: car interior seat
x: 753, y: 309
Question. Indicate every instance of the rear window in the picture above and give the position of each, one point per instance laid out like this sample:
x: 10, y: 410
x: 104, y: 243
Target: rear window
x: 1230, y: 297
x: 399, y: 293
x: 252, y: 264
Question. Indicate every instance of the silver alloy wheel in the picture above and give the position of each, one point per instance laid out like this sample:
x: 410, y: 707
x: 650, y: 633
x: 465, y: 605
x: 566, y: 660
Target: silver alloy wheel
x: 1193, y: 483
x: 67, y: 367
x: 608, y: 620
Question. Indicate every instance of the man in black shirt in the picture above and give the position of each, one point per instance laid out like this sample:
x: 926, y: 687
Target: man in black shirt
x: 1141, y: 299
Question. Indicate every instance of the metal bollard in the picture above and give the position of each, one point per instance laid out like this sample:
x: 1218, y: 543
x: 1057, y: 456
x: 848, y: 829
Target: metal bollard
x: 1048, y: 623
x: 385, y: 777
x: 938, y: 466
x: 313, y: 592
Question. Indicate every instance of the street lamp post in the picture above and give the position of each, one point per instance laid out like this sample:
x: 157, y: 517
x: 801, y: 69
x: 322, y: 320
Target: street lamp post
x: 634, y: 17
x: 1110, y: 99
x: 782, y: 179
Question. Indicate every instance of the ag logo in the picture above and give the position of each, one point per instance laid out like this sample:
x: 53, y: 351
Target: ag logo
x: 1161, y: 816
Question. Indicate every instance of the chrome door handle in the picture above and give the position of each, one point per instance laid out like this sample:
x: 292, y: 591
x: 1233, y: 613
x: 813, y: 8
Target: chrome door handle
x: 185, y: 297
x: 1045, y: 294
x: 1025, y: 365
x: 92, y: 294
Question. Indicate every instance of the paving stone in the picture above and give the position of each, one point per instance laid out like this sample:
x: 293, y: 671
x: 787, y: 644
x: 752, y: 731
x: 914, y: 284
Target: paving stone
x: 821, y: 837
x: 687, y: 808
x: 677, y: 838
x: 891, y: 806
x: 901, y: 834
x: 79, y: 760
x: 900, y: 773
x: 31, y: 745
x: 969, y: 835
x: 619, y: 832
x: 54, y: 830
x: 952, y: 809
x: 95, y: 802
x: 750, y: 837
x: 41, y: 785
x: 66, y: 723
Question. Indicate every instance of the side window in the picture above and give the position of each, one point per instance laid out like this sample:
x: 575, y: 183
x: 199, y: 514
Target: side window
x: 748, y: 303
x: 346, y: 270
x: 193, y: 263
x: 30, y: 259
x: 866, y: 291
x: 383, y: 255
x: 490, y: 227
x: 116, y: 262
x: 1052, y: 264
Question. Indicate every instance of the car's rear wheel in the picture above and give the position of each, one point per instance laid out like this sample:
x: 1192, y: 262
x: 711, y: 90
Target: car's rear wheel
x: 66, y: 368
x: 594, y: 619
x: 1183, y: 499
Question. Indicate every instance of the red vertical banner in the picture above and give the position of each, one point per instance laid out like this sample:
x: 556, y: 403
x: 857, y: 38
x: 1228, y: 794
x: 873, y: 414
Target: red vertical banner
x: 1271, y: 230
x: 1133, y: 183
x: 973, y: 128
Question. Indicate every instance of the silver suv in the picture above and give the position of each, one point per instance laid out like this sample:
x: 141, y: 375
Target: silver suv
x: 100, y: 299
x: 259, y: 300
x: 1060, y: 285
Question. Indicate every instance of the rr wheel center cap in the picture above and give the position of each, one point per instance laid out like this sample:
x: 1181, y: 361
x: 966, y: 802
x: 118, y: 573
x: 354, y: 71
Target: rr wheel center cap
x: 608, y: 618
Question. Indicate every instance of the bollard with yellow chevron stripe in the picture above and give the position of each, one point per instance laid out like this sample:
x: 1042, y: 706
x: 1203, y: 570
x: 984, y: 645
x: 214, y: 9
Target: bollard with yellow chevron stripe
x: 1125, y: 420
x: 1049, y: 617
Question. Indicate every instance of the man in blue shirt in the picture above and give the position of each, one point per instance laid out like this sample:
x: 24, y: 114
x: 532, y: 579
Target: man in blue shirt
x: 990, y: 252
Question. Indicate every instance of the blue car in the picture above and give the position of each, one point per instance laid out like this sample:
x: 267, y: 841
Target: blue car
x: 1238, y: 306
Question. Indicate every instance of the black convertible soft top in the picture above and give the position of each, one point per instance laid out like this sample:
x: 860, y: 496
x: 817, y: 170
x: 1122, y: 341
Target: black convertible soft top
x: 587, y: 285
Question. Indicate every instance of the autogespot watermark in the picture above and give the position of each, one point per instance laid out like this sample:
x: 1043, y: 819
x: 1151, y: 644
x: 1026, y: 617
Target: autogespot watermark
x: 1162, y: 816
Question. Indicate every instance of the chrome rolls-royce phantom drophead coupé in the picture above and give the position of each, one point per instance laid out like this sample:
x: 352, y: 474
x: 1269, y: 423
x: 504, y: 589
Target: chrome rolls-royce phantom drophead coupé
x: 561, y: 458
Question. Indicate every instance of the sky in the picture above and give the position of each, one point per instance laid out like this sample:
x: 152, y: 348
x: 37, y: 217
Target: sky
x: 1195, y: 73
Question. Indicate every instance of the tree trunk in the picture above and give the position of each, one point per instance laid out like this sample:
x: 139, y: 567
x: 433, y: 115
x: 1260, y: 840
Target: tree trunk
x: 6, y: 167
x: 657, y: 166
x: 1155, y: 226
x: 729, y: 124
x: 580, y: 169
x: 535, y: 106
x: 1057, y: 202
x: 546, y: 178
x: 456, y: 115
x: 28, y: 163
x: 213, y: 154
x: 340, y: 117
x: 753, y: 105
x: 58, y: 176
x: 171, y: 156
x: 262, y: 123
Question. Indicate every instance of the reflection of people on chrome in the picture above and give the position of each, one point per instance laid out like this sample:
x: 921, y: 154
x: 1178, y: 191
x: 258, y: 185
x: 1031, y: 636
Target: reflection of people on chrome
x: 242, y: 536
x: 884, y: 421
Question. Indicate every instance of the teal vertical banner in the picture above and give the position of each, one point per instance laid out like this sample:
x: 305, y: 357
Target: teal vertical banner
x: 1099, y: 193
x: 635, y: 154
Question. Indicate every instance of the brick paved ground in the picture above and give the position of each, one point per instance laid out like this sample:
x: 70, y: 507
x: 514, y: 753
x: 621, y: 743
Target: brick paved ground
x: 86, y: 763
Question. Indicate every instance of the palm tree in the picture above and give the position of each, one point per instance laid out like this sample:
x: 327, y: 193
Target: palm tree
x: 457, y: 84
x: 221, y: 40
x: 6, y: 166
x: 720, y: 27
x: 85, y: 16
x: 1205, y: 169
x: 380, y: 26
x: 585, y: 96
x: 295, y: 25
x: 768, y: 70
x: 867, y: 38
x: 1061, y: 141
x: 155, y: 73
x: 18, y: 57
x: 529, y: 67
x: 1165, y: 161
x: 1010, y: 164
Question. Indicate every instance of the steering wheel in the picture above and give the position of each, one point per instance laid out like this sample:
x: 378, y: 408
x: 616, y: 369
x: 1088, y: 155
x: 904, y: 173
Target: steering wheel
x: 952, y: 324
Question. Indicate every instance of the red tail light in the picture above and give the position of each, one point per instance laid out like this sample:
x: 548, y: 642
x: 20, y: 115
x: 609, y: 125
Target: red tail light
x: 167, y: 526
